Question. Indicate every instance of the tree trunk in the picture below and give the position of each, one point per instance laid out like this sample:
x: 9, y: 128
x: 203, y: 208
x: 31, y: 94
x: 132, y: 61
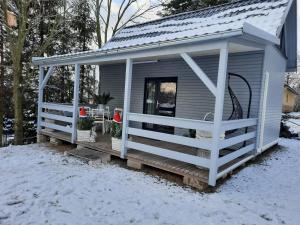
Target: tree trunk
x: 18, y: 103
x: 1, y: 82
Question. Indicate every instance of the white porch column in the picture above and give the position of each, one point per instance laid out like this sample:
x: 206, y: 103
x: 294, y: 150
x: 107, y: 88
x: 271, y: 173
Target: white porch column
x: 40, y: 97
x: 75, y: 102
x: 218, y: 115
x: 126, y: 108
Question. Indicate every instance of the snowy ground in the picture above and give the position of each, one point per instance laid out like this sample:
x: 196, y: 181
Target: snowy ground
x: 292, y: 122
x: 293, y: 125
x: 39, y: 186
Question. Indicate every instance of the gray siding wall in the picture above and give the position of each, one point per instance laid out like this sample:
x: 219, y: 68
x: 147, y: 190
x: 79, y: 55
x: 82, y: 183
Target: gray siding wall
x: 275, y: 65
x: 194, y: 100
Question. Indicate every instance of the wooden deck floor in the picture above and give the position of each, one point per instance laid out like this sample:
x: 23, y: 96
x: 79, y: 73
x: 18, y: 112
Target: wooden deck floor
x: 103, y: 144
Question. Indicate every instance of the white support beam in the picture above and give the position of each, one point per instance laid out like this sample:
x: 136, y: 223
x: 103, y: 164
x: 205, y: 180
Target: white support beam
x: 57, y: 127
x: 218, y: 115
x: 179, y: 156
x: 177, y: 139
x: 172, y: 121
x: 127, y: 96
x: 199, y: 72
x: 48, y: 75
x: 56, y: 117
x: 75, y: 102
x: 261, y: 127
x: 40, y: 98
x: 58, y: 107
x: 231, y: 156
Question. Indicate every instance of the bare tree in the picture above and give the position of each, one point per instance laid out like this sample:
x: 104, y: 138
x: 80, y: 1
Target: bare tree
x: 16, y: 43
x: 110, y: 17
x: 16, y: 39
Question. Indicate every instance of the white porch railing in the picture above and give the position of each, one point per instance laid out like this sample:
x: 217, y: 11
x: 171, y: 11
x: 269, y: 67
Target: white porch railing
x: 172, y: 138
x: 192, y: 142
x: 242, y: 138
x: 56, y: 112
x: 67, y: 124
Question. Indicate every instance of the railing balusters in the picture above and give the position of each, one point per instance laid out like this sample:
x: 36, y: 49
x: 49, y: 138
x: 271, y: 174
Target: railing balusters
x: 191, y: 142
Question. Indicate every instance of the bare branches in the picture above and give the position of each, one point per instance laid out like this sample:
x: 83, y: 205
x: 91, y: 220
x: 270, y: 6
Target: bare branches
x: 98, y: 23
x: 111, y: 17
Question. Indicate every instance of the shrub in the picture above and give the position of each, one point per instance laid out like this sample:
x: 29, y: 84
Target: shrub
x: 116, y: 130
x: 85, y: 123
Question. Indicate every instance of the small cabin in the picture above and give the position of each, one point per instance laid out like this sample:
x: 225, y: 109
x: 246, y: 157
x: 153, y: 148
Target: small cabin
x: 199, y: 93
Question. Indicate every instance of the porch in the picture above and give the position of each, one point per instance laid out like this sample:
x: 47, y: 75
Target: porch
x: 192, y: 175
x: 174, y: 152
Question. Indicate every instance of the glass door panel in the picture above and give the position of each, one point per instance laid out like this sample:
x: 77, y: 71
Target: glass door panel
x: 160, y: 99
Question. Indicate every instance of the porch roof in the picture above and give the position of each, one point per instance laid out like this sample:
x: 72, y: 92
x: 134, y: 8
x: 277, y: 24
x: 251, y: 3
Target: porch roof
x: 262, y: 19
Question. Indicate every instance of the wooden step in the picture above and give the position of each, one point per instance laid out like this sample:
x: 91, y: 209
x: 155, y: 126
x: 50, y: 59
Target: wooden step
x: 90, y: 155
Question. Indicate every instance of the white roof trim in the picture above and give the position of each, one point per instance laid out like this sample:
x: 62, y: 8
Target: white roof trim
x: 257, y: 32
x: 285, y: 16
x: 77, y: 57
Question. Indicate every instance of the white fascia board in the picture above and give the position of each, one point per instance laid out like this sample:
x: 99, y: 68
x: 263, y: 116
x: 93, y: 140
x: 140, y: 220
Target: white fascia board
x: 259, y: 33
x: 156, y: 49
x: 283, y: 19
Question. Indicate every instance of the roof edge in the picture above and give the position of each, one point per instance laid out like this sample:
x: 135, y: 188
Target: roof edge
x: 283, y: 19
x: 99, y: 52
x: 291, y: 89
x: 257, y: 32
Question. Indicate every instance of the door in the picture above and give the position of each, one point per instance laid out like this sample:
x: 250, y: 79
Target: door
x: 160, y: 99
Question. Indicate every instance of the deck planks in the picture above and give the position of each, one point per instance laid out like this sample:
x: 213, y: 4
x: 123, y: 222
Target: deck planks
x: 192, y: 175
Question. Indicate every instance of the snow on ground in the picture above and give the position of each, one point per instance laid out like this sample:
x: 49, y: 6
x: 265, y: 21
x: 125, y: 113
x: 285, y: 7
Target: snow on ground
x: 293, y: 125
x: 39, y: 186
x: 294, y: 114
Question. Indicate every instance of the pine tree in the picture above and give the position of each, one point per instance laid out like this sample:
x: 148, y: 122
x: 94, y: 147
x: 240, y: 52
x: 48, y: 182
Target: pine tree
x: 178, y: 6
x: 1, y: 74
x: 44, y: 21
x: 84, y: 28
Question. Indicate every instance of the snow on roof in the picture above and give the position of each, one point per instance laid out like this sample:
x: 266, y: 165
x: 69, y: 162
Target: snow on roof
x: 291, y: 89
x: 267, y: 15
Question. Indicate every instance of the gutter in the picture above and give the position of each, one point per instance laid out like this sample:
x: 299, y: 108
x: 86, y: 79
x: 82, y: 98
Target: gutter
x: 77, y: 57
x: 70, y: 58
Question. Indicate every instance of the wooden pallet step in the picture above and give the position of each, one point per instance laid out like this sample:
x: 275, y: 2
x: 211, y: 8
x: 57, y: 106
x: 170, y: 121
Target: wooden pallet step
x: 90, y: 155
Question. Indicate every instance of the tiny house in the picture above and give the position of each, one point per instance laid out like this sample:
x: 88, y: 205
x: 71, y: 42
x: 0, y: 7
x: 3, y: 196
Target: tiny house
x: 289, y: 99
x: 202, y: 88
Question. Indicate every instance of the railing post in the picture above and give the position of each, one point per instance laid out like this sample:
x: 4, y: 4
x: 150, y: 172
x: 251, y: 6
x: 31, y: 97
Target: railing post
x: 126, y: 109
x: 75, y: 102
x: 218, y: 115
x: 40, y: 98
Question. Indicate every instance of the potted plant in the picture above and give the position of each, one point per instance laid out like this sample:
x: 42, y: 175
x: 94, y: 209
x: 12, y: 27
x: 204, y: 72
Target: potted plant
x: 84, y: 130
x: 116, y: 135
x: 102, y: 99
